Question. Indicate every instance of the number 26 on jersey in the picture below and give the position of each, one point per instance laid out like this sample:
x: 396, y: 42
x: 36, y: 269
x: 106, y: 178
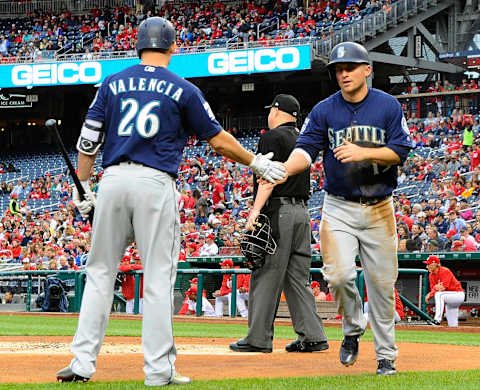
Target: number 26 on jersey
x: 145, y: 122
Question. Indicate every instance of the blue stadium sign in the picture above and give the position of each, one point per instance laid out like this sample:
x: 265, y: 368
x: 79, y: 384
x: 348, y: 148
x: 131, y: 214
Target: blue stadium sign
x: 260, y: 60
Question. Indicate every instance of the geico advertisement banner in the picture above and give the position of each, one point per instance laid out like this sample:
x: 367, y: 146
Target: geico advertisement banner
x: 192, y: 65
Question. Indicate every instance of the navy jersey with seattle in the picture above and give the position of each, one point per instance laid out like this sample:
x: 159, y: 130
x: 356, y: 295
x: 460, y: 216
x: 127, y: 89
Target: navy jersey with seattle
x: 374, y: 122
x: 152, y: 112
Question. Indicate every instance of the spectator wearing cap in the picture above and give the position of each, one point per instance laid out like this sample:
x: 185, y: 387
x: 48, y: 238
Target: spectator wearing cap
x: 71, y: 264
x: 432, y: 246
x: 317, y: 292
x: 201, y: 207
x: 27, y: 265
x: 457, y: 246
x: 422, y: 219
x: 465, y: 237
x: 223, y: 295
x: 446, y: 290
x: 456, y: 223
x: 432, y: 234
x: 441, y: 223
x: 209, y: 248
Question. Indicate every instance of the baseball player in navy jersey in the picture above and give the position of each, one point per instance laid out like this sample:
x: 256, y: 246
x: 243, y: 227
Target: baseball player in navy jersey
x: 364, y: 136
x: 143, y: 115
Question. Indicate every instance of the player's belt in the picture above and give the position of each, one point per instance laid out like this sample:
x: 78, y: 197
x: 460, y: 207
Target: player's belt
x: 367, y: 201
x: 288, y: 200
x: 130, y: 162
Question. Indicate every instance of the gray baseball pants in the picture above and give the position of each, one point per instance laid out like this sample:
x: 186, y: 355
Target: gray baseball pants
x: 288, y: 270
x: 349, y: 229
x: 138, y: 202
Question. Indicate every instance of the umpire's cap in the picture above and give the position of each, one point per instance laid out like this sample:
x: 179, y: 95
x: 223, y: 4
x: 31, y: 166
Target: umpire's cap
x: 286, y: 103
x: 155, y: 33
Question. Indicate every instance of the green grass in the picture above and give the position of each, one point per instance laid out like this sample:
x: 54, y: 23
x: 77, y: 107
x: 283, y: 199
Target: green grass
x: 62, y: 326
x: 452, y: 380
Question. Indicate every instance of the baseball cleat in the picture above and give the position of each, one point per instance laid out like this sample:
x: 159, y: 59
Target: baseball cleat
x: 243, y: 346
x: 349, y: 350
x: 306, y: 346
x: 180, y: 380
x: 386, y: 367
x: 67, y: 375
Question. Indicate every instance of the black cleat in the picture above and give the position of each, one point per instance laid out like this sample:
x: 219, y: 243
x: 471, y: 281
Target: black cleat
x: 349, y: 350
x: 386, y: 367
x: 67, y: 375
x: 306, y: 346
x: 243, y: 346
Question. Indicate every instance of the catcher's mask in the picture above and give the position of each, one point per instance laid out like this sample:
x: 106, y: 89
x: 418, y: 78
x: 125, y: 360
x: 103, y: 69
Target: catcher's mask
x: 256, y: 244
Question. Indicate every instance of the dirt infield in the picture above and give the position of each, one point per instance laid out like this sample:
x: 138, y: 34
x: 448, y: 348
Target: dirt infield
x: 36, y: 359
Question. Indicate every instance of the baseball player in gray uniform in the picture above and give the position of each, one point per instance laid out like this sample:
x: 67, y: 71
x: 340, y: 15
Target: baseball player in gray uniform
x: 143, y: 115
x: 364, y: 136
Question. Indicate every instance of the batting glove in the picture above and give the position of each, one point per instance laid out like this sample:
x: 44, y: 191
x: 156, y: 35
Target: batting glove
x: 84, y: 206
x: 271, y: 171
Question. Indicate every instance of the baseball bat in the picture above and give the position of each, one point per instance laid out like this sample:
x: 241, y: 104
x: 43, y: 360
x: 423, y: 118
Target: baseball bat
x: 51, y: 124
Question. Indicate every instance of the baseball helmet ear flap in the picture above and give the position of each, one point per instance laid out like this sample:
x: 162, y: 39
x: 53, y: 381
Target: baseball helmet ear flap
x: 256, y: 244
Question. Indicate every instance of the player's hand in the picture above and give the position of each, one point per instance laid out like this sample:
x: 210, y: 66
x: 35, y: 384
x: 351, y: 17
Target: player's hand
x: 252, y: 218
x: 242, y: 290
x: 271, y: 171
x: 349, y: 152
x: 84, y: 206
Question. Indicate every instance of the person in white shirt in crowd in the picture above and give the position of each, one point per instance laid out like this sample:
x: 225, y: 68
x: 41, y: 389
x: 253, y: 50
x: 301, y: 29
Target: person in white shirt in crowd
x: 209, y: 248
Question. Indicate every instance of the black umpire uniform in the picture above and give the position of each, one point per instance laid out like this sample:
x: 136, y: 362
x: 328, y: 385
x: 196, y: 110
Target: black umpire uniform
x: 288, y: 268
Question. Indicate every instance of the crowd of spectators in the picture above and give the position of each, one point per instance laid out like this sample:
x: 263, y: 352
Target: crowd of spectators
x: 442, y: 104
x: 198, y: 26
x: 440, y: 214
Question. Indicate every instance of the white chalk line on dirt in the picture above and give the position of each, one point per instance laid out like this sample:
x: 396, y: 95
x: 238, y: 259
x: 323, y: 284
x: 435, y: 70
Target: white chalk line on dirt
x: 54, y: 348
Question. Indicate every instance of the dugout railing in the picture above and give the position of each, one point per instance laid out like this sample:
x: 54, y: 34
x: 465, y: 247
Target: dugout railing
x: 79, y: 279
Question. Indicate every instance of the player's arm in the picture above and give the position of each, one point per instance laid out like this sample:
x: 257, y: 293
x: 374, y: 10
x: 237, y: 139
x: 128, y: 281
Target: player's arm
x: 297, y: 162
x: 350, y: 152
x: 201, y: 118
x: 90, y: 140
x: 225, y: 144
x: 311, y: 141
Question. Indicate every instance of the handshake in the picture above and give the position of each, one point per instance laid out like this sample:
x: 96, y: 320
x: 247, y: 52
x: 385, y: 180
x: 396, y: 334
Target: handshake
x: 271, y: 171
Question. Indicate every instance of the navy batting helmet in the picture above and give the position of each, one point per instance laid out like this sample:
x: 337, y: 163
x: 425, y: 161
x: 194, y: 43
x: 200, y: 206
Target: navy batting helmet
x: 155, y: 33
x: 349, y: 52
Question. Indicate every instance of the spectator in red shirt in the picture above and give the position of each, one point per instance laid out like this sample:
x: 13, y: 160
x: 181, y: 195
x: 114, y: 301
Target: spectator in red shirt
x: 16, y: 249
x: 218, y: 194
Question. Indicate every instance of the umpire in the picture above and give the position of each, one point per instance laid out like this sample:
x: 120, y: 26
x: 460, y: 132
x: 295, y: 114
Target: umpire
x: 288, y: 268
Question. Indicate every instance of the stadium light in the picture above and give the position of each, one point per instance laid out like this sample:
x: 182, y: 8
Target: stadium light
x: 59, y: 122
